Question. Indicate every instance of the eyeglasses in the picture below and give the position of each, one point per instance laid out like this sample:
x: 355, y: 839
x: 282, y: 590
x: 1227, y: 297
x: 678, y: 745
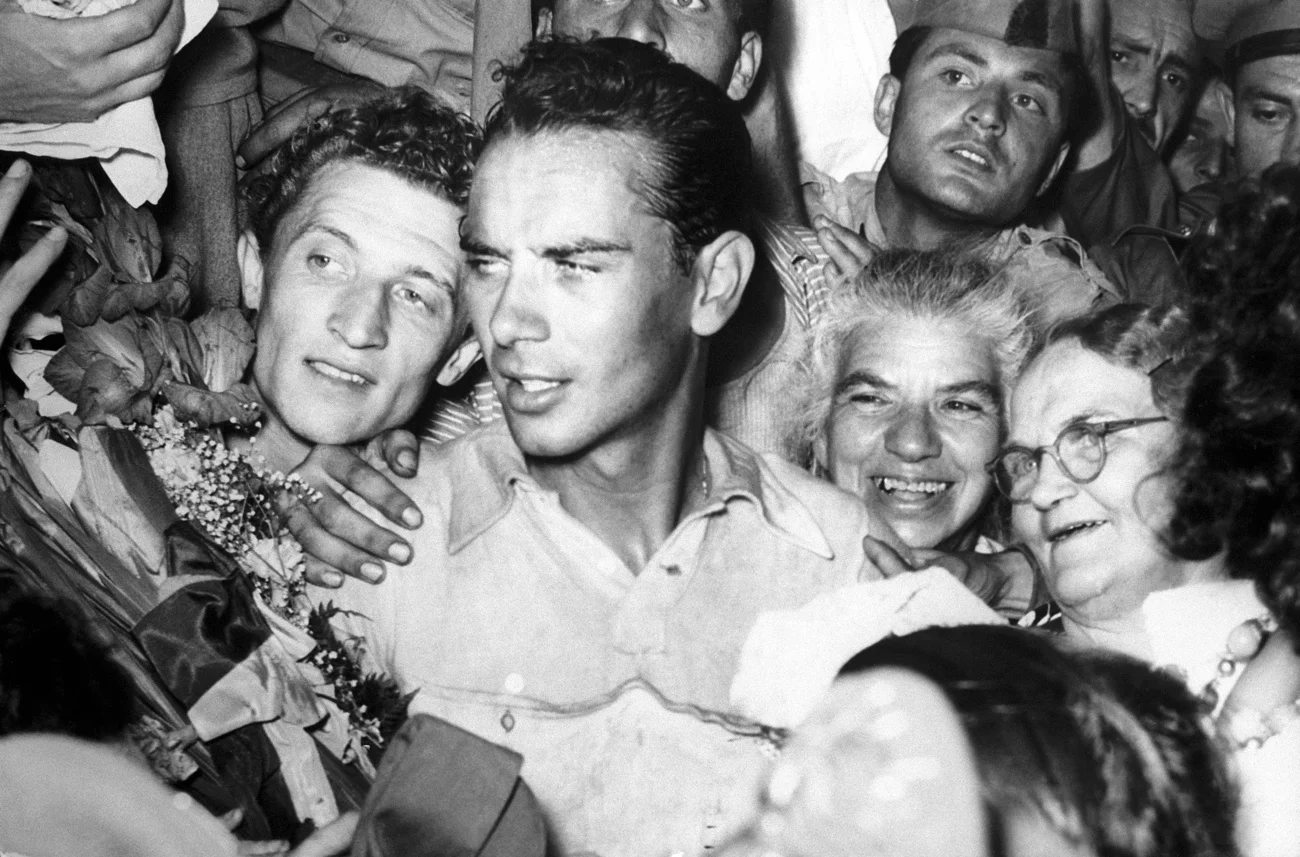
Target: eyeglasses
x: 1079, y: 450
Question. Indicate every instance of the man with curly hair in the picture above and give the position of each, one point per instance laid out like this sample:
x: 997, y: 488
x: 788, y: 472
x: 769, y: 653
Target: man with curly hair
x: 351, y: 260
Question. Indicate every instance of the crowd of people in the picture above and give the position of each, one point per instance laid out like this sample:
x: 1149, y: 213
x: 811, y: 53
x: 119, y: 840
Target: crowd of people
x: 510, y: 435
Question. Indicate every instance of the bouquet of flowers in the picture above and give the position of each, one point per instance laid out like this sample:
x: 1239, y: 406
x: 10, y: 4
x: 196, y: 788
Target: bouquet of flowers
x: 120, y: 492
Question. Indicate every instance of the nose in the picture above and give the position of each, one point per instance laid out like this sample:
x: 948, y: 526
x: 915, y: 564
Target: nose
x: 912, y: 436
x: 1290, y: 153
x: 1051, y: 485
x: 360, y: 318
x: 1210, y: 166
x: 1140, y: 92
x: 515, y: 315
x: 989, y: 113
x: 640, y: 22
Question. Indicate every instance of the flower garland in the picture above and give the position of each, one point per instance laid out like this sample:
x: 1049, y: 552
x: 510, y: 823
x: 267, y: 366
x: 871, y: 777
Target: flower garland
x: 231, y: 499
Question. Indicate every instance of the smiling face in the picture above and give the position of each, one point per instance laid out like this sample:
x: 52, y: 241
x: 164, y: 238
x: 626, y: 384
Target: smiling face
x: 1097, y: 542
x: 583, y: 314
x: 1267, y: 114
x: 914, y: 422
x: 1153, y: 57
x: 701, y: 34
x: 355, y: 305
x: 976, y: 129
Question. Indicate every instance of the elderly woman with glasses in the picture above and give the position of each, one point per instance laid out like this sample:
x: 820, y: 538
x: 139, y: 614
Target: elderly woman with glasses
x: 1151, y: 471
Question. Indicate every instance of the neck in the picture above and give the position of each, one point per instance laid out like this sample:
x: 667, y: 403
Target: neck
x: 273, y: 448
x: 1125, y: 630
x: 916, y: 224
x: 633, y: 490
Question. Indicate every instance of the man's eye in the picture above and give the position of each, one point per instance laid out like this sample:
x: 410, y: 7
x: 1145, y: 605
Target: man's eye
x: 687, y: 4
x: 569, y: 267
x: 483, y: 266
x: 1118, y: 56
x: 1027, y: 102
x: 1266, y: 115
x: 414, y: 297
x: 1176, y: 81
x: 963, y: 407
x: 953, y: 76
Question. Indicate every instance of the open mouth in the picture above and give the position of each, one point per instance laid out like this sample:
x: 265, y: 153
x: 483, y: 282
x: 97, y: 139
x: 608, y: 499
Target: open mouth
x: 977, y: 158
x: 338, y: 374
x: 1064, y: 533
x: 910, y: 488
x: 536, y: 385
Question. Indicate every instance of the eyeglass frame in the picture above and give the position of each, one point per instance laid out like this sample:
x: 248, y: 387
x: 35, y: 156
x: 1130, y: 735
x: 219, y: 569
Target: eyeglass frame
x: 1102, y: 430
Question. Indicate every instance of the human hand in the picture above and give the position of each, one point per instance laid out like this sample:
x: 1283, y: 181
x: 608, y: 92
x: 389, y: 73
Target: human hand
x: 18, y: 278
x: 74, y: 69
x: 849, y: 251
x: 336, y: 538
x: 282, y: 120
x: 1094, y: 49
x: 1269, y: 684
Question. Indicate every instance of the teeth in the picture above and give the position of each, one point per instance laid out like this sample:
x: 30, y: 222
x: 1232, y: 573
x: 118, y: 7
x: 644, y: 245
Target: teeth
x: 971, y: 156
x: 1075, y: 528
x: 535, y: 386
x: 890, y: 485
x: 332, y: 372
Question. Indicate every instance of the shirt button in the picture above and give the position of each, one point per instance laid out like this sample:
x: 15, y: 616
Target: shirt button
x: 341, y: 38
x: 673, y: 570
x: 514, y: 683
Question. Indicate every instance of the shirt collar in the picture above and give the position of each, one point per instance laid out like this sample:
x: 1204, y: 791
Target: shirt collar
x: 486, y: 481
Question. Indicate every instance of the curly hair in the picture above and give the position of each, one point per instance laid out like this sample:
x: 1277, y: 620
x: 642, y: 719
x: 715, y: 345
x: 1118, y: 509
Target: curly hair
x: 696, y: 145
x: 938, y: 285
x: 405, y: 131
x: 1109, y: 752
x: 1238, y: 486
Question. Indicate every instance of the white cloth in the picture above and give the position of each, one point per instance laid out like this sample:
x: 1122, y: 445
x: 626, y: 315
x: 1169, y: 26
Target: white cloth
x: 791, y: 656
x: 839, y: 50
x: 126, y: 139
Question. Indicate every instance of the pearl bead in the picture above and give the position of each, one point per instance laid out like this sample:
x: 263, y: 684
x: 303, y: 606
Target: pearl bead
x: 1245, y: 640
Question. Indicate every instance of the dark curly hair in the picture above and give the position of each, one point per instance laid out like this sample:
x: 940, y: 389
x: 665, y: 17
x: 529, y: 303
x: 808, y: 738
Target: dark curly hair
x: 1238, y: 485
x: 1107, y: 751
x: 405, y: 131
x: 697, y: 146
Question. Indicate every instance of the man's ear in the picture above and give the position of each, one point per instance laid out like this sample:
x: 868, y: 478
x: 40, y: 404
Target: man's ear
x: 719, y: 276
x: 820, y: 453
x: 1054, y: 170
x: 460, y: 362
x: 545, y: 24
x: 745, y: 70
x: 251, y: 272
x: 886, y: 98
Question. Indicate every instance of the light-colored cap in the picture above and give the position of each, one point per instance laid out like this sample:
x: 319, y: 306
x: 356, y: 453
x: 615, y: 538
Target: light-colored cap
x: 1043, y: 24
x: 1234, y: 22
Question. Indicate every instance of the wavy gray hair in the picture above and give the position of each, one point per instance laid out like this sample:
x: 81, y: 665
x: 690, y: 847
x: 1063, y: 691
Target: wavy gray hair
x: 939, y: 285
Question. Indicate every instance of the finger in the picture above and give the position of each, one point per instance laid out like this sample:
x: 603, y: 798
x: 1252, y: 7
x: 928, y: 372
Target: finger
x: 129, y: 26
x: 841, y: 255
x: 331, y: 840
x: 401, y: 452
x: 278, y: 125
x: 350, y: 471
x: 265, y: 848
x: 12, y: 187
x: 319, y: 540
x: 318, y: 573
x: 17, y: 282
x: 885, y: 558
x: 1270, y: 680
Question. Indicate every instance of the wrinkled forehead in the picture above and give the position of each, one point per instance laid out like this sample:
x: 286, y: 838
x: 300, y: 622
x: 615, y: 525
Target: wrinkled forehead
x: 1165, y: 26
x: 1068, y: 383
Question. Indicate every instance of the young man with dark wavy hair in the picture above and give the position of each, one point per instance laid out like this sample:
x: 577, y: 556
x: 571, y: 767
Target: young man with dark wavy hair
x: 590, y: 567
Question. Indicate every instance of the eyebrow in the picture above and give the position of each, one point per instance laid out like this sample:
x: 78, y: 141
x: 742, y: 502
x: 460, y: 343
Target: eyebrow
x: 584, y: 247
x: 978, y: 388
x: 419, y: 273
x: 317, y: 226
x: 859, y: 379
x: 1266, y: 95
x: 957, y: 49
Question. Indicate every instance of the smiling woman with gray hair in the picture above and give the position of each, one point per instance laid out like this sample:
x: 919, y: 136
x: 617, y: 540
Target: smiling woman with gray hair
x: 905, y: 377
